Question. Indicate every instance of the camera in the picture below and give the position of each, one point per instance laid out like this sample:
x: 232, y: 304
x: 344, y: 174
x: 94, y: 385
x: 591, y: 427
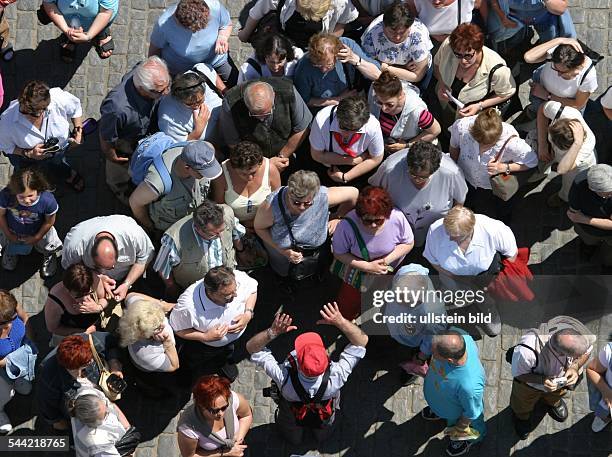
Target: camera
x: 51, y: 145
x: 272, y: 392
x: 560, y: 382
x: 116, y: 384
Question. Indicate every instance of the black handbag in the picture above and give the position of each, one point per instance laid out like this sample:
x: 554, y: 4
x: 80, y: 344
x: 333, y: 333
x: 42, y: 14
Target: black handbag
x: 310, y: 264
x: 128, y: 442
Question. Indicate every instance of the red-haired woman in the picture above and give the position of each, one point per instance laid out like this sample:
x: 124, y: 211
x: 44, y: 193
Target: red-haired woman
x: 472, y: 73
x: 68, y: 370
x: 387, y: 237
x: 217, y: 421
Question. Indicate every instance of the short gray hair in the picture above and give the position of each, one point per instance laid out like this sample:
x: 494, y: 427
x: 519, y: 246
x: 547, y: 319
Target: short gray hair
x: 570, y: 342
x: 599, y: 178
x: 256, y: 95
x: 86, y: 408
x: 208, y: 213
x: 303, y: 183
x: 150, y: 70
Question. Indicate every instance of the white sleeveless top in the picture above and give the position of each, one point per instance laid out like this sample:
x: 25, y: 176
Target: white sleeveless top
x: 246, y: 207
x: 442, y: 21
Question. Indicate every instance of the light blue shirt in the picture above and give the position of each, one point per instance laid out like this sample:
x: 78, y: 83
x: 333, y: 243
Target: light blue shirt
x: 176, y: 118
x: 82, y: 13
x: 181, y: 48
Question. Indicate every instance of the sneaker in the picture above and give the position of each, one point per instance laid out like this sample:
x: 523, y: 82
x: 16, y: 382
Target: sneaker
x: 5, y: 423
x: 599, y: 423
x: 49, y: 266
x: 458, y: 447
x: 429, y: 415
x: 9, y: 262
x: 558, y: 412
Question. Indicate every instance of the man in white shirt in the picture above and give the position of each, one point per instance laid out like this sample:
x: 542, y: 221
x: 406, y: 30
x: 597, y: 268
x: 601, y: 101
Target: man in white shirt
x: 348, y: 140
x: 112, y: 245
x: 545, y: 367
x: 209, y: 316
x: 319, y: 380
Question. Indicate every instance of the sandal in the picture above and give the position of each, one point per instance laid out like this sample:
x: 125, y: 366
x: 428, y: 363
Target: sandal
x: 76, y: 182
x: 108, y: 46
x: 67, y: 49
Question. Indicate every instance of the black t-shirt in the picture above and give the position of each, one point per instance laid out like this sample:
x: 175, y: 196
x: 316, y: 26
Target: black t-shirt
x: 584, y: 199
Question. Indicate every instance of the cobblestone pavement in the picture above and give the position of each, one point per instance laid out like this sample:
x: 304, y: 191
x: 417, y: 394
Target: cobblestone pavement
x: 382, y: 418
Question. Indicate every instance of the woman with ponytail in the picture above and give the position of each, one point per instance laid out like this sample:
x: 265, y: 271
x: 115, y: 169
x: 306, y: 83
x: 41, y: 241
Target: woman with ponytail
x: 476, y: 142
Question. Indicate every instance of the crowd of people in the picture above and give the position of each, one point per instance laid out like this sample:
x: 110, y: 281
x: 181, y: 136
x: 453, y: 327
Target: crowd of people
x: 361, y: 139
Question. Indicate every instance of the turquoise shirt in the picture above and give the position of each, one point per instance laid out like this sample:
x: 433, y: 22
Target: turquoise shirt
x: 82, y: 13
x: 452, y: 391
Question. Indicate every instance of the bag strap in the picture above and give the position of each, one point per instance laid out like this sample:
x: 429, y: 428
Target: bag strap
x: 162, y: 170
x: 558, y: 114
x: 256, y: 66
x: 299, y: 388
x: 534, y: 352
x: 501, y: 150
x: 490, y: 79
x: 347, y: 76
x: 57, y: 300
x: 584, y: 75
x: 362, y: 246
x: 95, y: 354
x: 332, y: 113
x: 208, y: 82
x: 281, y: 196
x: 458, y: 13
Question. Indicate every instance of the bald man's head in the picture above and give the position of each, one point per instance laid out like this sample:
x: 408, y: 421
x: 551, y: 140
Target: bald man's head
x: 105, y: 251
x: 449, y: 345
x: 259, y: 98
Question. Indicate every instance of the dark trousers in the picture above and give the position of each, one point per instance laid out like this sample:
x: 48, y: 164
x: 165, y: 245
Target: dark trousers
x: 201, y: 359
x: 482, y: 201
x: 228, y: 72
x: 53, y: 167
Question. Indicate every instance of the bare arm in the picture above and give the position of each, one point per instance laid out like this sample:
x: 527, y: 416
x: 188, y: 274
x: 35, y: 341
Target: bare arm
x: 568, y: 162
x: 364, y: 167
x: 556, y: 7
x: 339, y: 30
x: 219, y: 186
x: 44, y: 228
x: 578, y: 102
x: 140, y: 200
x: 56, y: 17
x: 100, y: 22
x: 596, y: 374
x: 402, y: 72
x: 293, y: 143
x: 245, y: 418
x: 331, y: 315
x: 245, y: 32
x: 538, y: 53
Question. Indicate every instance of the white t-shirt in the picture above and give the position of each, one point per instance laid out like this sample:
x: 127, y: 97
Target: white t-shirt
x: 605, y: 358
x: 248, y: 71
x: 606, y: 100
x: 474, y: 165
x: 490, y: 236
x: 371, y: 140
x: 415, y: 48
x: 442, y: 21
x: 560, y: 87
x: 195, y: 310
x: 586, y: 155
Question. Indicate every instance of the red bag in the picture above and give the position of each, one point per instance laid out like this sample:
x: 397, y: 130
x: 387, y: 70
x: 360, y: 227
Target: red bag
x: 512, y: 282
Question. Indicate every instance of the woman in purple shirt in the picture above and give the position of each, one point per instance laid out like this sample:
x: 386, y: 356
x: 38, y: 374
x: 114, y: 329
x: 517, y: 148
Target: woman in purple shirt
x: 387, y: 237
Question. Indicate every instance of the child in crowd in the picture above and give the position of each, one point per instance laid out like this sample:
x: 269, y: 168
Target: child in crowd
x: 27, y: 216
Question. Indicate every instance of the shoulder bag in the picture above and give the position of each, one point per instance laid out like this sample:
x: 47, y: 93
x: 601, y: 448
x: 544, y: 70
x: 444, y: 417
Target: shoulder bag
x: 309, y: 266
x: 350, y: 275
x: 504, y: 185
x: 104, y: 373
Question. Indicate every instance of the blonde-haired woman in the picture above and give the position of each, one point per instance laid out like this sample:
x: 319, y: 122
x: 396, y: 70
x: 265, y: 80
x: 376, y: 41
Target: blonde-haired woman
x: 468, y: 244
x: 301, y: 19
x: 145, y: 330
x: 484, y: 146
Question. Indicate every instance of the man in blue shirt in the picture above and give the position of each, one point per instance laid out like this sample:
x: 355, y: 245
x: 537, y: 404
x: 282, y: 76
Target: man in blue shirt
x: 454, y: 388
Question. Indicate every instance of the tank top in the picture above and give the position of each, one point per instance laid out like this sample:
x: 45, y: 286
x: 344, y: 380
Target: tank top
x: 246, y: 207
x: 75, y: 320
x: 14, y: 339
x: 309, y: 228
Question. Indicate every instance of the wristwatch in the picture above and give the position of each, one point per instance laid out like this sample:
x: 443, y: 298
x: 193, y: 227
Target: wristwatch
x: 358, y: 63
x: 507, y: 169
x: 250, y: 310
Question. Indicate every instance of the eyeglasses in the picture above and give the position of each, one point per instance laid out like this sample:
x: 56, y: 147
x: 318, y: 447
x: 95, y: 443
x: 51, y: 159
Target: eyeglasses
x: 160, y: 92
x: 214, y: 411
x: 419, y: 178
x: 466, y: 56
x: 194, y: 104
x: 373, y: 221
x: 300, y: 204
x: 3, y: 323
x: 261, y: 116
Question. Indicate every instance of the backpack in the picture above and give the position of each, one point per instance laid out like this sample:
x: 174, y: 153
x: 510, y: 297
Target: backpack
x: 311, y: 412
x: 149, y: 152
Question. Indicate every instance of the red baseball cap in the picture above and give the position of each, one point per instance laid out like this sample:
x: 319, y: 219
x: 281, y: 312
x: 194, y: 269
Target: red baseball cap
x: 311, y: 354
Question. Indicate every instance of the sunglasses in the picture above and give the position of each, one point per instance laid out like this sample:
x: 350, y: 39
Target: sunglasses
x: 467, y: 56
x: 260, y: 116
x: 2, y: 323
x: 374, y: 220
x: 299, y: 203
x: 214, y: 411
